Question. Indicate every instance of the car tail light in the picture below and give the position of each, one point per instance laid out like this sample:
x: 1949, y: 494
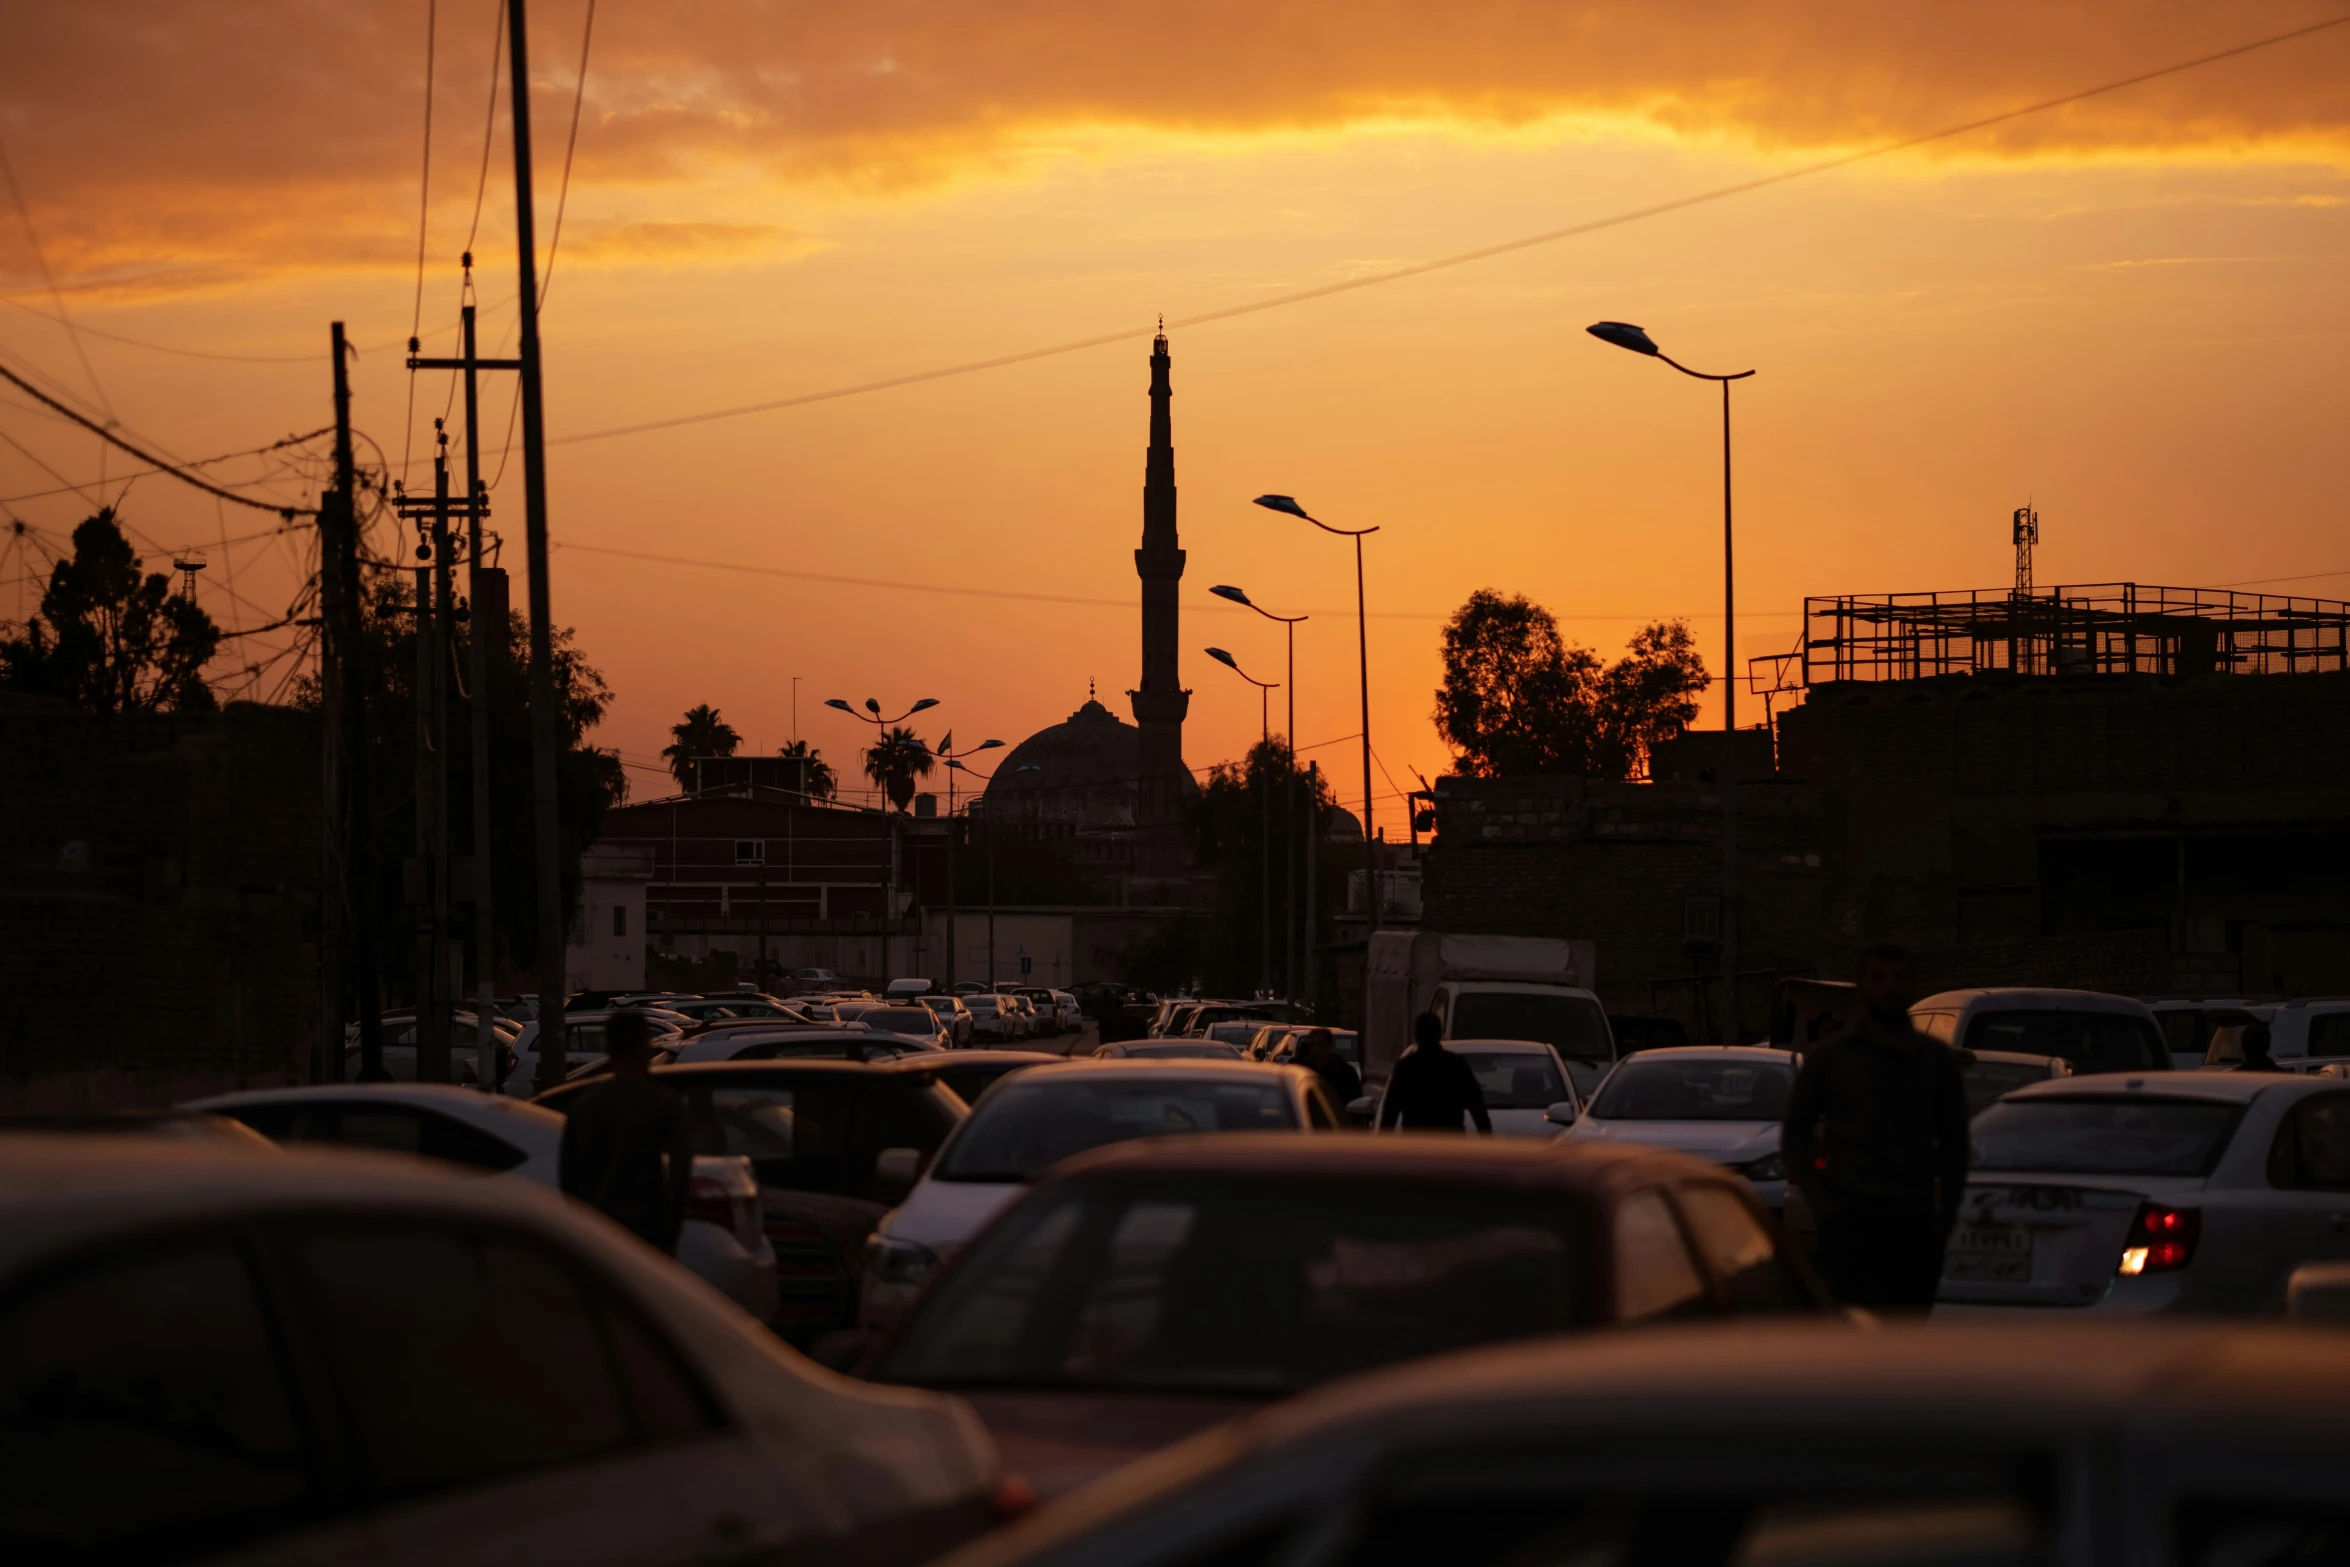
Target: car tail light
x: 2162, y: 1239
x: 1012, y: 1497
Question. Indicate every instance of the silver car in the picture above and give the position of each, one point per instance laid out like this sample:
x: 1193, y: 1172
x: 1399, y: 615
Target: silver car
x: 1716, y: 1102
x: 2167, y: 1192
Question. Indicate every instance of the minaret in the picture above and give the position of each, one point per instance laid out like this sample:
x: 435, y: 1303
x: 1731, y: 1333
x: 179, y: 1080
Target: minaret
x: 1161, y: 703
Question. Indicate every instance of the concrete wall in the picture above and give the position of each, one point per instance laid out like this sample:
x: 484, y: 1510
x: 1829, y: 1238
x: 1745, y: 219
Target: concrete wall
x: 158, y: 892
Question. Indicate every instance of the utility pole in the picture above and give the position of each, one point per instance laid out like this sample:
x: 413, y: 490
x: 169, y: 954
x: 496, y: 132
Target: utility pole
x: 545, y: 737
x: 361, y: 865
x: 485, y: 593
x: 1313, y: 825
x: 432, y: 782
x: 334, y: 914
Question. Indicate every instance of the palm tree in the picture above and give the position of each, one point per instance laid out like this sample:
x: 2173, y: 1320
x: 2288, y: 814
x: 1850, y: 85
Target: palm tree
x: 821, y: 779
x: 895, y: 760
x: 700, y: 733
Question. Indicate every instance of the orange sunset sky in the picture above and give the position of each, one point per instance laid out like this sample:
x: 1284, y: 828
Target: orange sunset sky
x: 2129, y: 311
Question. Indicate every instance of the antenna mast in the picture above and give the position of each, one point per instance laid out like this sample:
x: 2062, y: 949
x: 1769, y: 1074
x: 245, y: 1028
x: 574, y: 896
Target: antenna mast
x: 2027, y: 534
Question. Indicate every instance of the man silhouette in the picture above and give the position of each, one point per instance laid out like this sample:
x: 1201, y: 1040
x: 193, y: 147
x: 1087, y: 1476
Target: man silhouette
x: 1431, y: 1088
x: 628, y: 1148
x: 1318, y: 1054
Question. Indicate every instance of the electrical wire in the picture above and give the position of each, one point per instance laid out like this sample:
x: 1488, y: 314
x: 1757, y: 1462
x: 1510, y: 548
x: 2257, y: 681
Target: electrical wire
x: 1463, y: 258
x: 155, y: 463
x: 432, y: 16
x: 199, y: 462
x: 41, y: 259
x: 570, y: 146
x: 489, y: 129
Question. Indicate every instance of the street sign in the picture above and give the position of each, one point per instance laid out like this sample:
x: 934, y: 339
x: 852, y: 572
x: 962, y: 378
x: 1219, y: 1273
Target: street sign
x: 1024, y: 960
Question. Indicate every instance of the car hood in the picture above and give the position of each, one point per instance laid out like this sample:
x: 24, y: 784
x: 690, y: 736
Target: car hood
x: 942, y: 1215
x: 1725, y: 1142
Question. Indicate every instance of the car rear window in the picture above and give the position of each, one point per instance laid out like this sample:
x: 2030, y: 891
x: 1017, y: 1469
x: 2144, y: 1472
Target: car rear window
x: 2132, y: 1135
x: 901, y: 1020
x: 1516, y: 1079
x: 1025, y: 1127
x: 2091, y: 1041
x: 1244, y: 1286
x: 1690, y: 1088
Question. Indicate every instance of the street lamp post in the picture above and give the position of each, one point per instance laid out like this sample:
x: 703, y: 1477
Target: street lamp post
x: 1264, y: 820
x: 1289, y: 859
x: 945, y: 751
x: 872, y: 715
x: 955, y: 765
x: 1625, y: 335
x: 1288, y: 504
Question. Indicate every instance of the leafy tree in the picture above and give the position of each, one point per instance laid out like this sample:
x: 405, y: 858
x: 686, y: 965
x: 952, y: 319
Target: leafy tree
x: 700, y: 733
x: 895, y: 760
x: 822, y: 781
x: 1518, y: 698
x: 109, y: 638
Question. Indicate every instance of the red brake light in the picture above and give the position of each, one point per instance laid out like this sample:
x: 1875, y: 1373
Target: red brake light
x: 2161, y: 1240
x: 1012, y: 1496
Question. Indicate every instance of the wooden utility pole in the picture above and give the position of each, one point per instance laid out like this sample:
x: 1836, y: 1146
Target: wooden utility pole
x: 334, y: 915
x: 485, y: 630
x: 429, y: 888
x: 361, y: 867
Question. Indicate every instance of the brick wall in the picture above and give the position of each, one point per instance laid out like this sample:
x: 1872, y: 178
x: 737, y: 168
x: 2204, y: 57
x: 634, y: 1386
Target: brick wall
x: 171, y: 952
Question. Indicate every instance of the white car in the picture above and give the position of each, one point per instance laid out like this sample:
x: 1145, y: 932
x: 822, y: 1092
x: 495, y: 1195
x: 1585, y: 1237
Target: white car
x: 2304, y: 1034
x: 1068, y: 1011
x: 2094, y: 1031
x: 724, y: 1239
x: 2155, y: 1192
x: 909, y: 1020
x: 583, y: 1043
x: 301, y: 1356
x: 1527, y: 1092
x: 1031, y: 1121
x: 1724, y: 1103
x: 399, y: 1046
x: 991, y: 1020
x: 833, y: 1041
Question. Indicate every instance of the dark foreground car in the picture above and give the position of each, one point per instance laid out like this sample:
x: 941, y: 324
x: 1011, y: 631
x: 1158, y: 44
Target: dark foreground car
x: 815, y: 1132
x: 1149, y: 1289
x: 1783, y: 1443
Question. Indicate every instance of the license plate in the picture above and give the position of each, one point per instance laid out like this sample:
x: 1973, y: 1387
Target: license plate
x: 1990, y: 1253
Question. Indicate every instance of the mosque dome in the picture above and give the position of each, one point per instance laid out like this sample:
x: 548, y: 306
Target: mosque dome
x: 1078, y: 779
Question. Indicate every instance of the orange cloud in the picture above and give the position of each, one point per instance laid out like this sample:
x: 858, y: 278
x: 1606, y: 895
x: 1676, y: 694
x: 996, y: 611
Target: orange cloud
x: 185, y: 141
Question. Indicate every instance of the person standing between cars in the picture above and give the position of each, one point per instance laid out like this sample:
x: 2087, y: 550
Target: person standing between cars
x: 1876, y: 1138
x: 2255, y: 1045
x: 628, y: 1150
x: 1318, y: 1053
x: 1431, y: 1088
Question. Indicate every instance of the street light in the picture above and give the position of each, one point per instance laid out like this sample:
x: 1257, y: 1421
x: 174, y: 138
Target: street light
x: 1264, y: 820
x: 1288, y: 624
x: 1627, y: 336
x: 955, y: 764
x: 1288, y: 504
x: 945, y: 752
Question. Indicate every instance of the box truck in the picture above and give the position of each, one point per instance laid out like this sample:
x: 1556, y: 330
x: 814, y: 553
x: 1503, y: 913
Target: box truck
x: 1486, y: 987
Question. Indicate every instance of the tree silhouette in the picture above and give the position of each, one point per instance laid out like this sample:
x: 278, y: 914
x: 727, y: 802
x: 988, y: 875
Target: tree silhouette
x: 895, y: 760
x: 700, y: 733
x: 822, y: 781
x: 1518, y: 699
x: 109, y: 638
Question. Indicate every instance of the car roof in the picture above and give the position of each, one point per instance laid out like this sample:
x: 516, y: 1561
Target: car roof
x: 1239, y: 1071
x: 926, y: 1061
x: 2216, y: 1087
x: 1759, y: 1053
x: 940, y: 1061
x: 2022, y: 998
x: 467, y: 1102
x: 1405, y: 1155
x: 1517, y: 1046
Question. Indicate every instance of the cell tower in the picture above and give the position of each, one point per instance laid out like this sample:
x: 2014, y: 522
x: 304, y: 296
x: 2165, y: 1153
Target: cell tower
x: 187, y: 566
x: 2027, y: 534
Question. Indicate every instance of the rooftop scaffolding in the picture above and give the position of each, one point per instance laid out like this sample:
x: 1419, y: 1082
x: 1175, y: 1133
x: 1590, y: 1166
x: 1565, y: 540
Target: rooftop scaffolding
x: 2110, y: 628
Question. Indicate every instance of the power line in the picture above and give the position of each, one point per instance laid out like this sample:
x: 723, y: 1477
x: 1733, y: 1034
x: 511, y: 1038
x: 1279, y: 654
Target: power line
x: 432, y: 16
x: 489, y: 127
x: 41, y: 259
x: 199, y: 462
x: 1485, y: 253
x: 563, y: 192
x: 155, y: 463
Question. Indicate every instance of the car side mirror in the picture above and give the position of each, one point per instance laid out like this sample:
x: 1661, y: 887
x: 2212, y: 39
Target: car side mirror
x: 2319, y: 1292
x: 895, y: 1170
x: 1561, y: 1113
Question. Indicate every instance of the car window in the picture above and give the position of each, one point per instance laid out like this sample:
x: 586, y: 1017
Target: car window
x: 1987, y: 1080
x: 753, y: 1121
x: 464, y: 1355
x: 1654, y: 1274
x: 1941, y: 1027
x: 1695, y: 1088
x: 1026, y: 1126
x: 1237, y: 1285
x: 2329, y: 1034
x: 2134, y: 1135
x: 800, y: 1136
x: 1516, y: 1079
x: 2091, y: 1041
x: 1739, y: 1249
x: 144, y: 1410
x: 2312, y: 1148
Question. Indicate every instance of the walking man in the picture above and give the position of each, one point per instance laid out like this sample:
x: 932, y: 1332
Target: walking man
x: 1431, y: 1088
x: 1318, y: 1054
x: 1876, y: 1138
x: 628, y: 1150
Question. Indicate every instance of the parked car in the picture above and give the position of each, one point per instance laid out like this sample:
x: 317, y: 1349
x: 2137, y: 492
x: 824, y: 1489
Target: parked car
x: 399, y: 1046
x: 1048, y: 1113
x: 178, y: 1125
x: 971, y: 1073
x: 1717, y: 1102
x: 1236, y: 1032
x: 832, y: 1144
x: 993, y: 1019
x: 1750, y: 1443
x: 815, y: 982
x: 1527, y: 1092
x: 1197, y: 1278
x: 2094, y: 1031
x: 1167, y: 1050
x: 1991, y: 1073
x: 490, y: 1135
x: 952, y: 1015
x: 902, y: 990
x: 300, y: 1356
x: 908, y: 1020
x: 583, y: 1045
x: 2303, y: 1034
x: 1042, y: 1007
x: 706, y: 1009
x: 1068, y: 1012
x: 2188, y: 1192
x: 802, y: 1041
x: 1344, y: 1042
x: 2187, y: 1023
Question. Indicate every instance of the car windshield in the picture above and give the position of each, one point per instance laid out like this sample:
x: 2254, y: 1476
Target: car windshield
x: 2121, y: 1136
x: 1243, y: 1286
x: 1695, y: 1088
x: 1987, y: 1080
x: 900, y: 1020
x: 1572, y: 1025
x: 1516, y: 1079
x: 980, y: 1003
x: 2091, y: 1041
x: 1032, y: 1125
